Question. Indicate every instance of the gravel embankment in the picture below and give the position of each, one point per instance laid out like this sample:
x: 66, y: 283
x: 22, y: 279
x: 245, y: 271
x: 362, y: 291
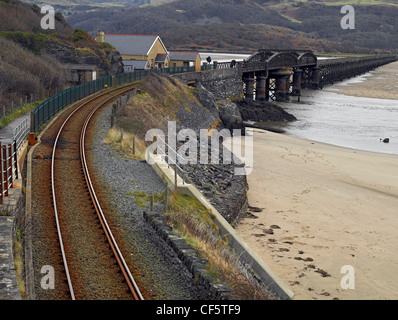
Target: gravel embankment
x: 157, y: 269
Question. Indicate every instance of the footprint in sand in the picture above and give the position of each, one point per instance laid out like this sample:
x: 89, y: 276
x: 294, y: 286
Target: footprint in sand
x: 323, y: 273
x: 259, y: 235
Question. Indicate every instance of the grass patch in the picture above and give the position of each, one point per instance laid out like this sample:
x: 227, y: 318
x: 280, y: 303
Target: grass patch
x: 126, y: 143
x: 291, y: 19
x: 140, y: 202
x: 143, y: 199
x: 86, y: 51
x: 360, y: 3
x: 17, y: 113
x: 288, y: 3
x: 189, y: 218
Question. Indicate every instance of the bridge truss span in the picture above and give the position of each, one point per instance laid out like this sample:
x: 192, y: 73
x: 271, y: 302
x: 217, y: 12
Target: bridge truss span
x: 279, y: 74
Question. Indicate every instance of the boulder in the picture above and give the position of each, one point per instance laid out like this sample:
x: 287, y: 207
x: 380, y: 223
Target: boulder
x: 230, y: 115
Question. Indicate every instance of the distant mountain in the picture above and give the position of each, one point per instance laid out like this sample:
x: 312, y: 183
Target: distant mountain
x: 154, y: 19
x: 205, y: 23
x: 96, y: 3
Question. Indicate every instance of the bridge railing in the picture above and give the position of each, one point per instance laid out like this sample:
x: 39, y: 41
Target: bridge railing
x: 20, y: 133
x: 8, y: 168
x: 333, y: 70
x: 206, y: 66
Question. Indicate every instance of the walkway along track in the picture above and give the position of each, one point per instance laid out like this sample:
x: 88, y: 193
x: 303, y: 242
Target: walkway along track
x: 90, y: 271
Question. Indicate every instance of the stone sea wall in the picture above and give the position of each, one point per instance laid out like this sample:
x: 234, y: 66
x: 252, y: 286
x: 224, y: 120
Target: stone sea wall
x: 222, y: 83
x: 226, y: 191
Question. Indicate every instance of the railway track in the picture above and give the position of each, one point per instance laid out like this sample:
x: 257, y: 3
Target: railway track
x: 94, y: 265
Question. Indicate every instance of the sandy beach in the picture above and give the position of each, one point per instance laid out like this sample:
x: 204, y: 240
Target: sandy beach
x: 324, y: 207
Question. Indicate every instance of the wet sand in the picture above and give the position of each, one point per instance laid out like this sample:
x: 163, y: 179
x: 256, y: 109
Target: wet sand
x: 324, y: 207
x: 382, y: 83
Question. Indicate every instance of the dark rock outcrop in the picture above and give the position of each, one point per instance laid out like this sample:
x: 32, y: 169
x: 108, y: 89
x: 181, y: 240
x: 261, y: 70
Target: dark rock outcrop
x: 108, y: 61
x: 230, y: 115
x: 218, y: 182
x: 207, y: 99
x: 260, y: 111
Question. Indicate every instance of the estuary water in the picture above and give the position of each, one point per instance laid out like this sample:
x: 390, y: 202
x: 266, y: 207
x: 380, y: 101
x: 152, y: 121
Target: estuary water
x: 355, y: 113
x: 347, y: 114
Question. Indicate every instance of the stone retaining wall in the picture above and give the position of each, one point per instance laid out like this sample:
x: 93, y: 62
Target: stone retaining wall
x: 8, y: 284
x: 223, y: 83
x: 195, y: 264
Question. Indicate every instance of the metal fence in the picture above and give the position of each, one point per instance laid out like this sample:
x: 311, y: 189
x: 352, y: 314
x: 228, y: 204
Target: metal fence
x: 161, y: 146
x: 51, y: 106
x: 9, y: 168
x: 20, y: 133
x: 47, y: 109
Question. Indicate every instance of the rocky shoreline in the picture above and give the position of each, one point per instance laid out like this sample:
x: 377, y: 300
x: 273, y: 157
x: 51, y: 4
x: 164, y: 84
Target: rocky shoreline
x: 194, y: 110
x: 263, y: 111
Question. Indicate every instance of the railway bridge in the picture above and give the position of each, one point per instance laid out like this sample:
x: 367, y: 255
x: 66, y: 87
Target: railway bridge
x: 279, y: 74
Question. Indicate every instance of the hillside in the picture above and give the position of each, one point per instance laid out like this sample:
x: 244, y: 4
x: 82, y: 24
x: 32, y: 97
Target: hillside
x: 375, y: 22
x: 67, y: 7
x: 190, y: 19
x: 32, y: 59
x: 235, y: 37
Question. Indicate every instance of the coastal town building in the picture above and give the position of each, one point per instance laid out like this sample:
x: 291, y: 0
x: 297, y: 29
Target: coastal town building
x: 79, y: 73
x: 141, y: 52
x: 185, y: 59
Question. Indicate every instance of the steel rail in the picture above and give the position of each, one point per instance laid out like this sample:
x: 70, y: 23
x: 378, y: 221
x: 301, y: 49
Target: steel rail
x: 112, y: 242
x: 119, y: 258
